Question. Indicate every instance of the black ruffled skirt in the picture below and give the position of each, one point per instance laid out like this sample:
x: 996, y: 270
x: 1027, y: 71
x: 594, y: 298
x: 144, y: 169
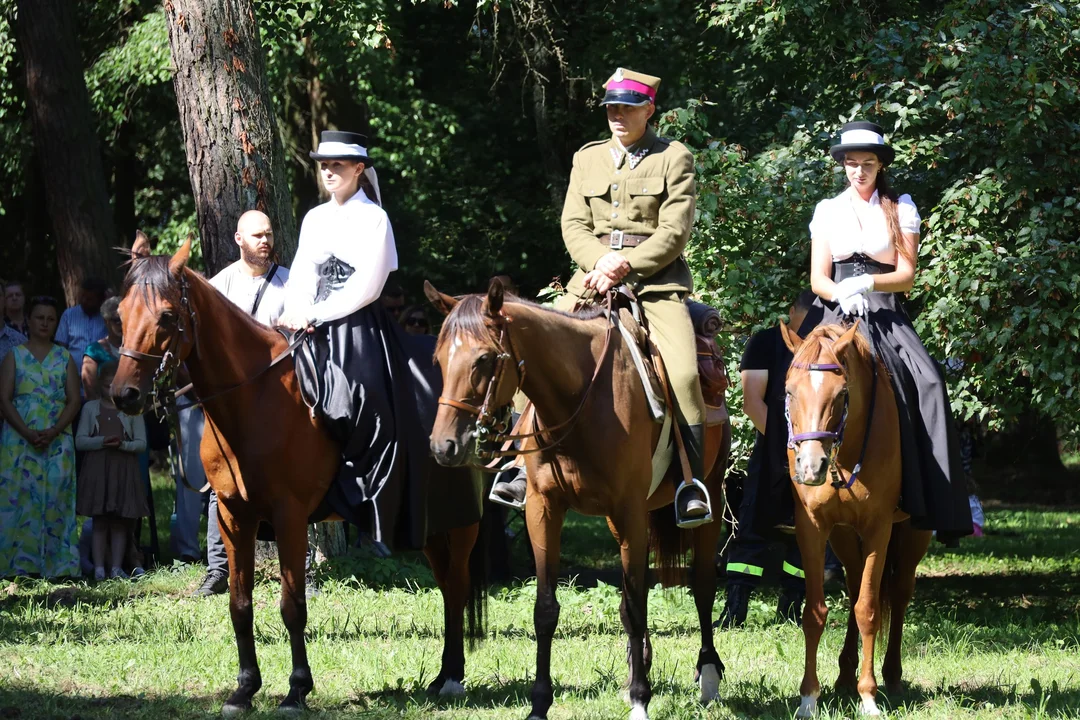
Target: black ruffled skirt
x: 376, y: 388
x: 934, y: 488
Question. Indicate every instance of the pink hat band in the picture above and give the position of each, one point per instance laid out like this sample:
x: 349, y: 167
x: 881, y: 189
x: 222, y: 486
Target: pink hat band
x: 627, y: 84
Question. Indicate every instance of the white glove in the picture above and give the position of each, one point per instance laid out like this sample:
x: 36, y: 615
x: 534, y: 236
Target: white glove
x: 857, y: 285
x: 854, y: 304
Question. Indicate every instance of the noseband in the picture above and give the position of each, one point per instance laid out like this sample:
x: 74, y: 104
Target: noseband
x: 837, y: 436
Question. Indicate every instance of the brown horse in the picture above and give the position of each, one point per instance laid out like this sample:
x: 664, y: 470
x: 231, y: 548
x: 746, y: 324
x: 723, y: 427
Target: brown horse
x: 267, y: 458
x: 837, y: 393
x: 601, y: 464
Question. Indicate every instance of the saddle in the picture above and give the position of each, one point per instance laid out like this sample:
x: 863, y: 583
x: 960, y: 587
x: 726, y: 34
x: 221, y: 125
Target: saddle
x: 712, y: 372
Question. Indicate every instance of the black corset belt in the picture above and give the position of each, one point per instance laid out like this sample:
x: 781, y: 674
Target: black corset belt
x: 859, y: 264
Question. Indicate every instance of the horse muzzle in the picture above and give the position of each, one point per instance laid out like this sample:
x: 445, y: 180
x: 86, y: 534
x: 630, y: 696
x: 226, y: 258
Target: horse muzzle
x: 128, y: 399
x: 451, y: 452
x: 811, y: 465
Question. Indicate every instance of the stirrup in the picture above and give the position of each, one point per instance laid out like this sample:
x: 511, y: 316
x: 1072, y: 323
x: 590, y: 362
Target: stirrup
x: 500, y: 500
x: 690, y: 523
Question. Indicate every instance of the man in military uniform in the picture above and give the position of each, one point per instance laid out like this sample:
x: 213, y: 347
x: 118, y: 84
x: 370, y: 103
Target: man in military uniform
x: 626, y: 220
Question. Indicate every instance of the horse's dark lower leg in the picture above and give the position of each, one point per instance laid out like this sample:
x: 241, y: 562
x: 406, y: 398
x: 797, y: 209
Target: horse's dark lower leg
x: 847, y: 546
x: 449, y: 557
x: 632, y: 533
x: 545, y: 530
x: 239, y: 539
x: 709, y: 669
x: 292, y: 541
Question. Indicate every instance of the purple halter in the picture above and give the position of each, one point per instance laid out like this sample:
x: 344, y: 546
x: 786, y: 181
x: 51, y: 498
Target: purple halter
x: 837, y: 437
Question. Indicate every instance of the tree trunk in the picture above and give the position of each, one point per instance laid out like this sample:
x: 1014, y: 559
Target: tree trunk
x: 65, y: 143
x: 235, y: 158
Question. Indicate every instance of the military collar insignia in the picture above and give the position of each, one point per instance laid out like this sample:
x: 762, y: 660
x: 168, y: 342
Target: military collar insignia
x: 633, y: 158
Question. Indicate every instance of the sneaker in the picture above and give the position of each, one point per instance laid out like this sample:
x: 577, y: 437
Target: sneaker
x: 137, y: 571
x: 99, y: 574
x: 216, y: 582
x: 117, y: 573
x: 311, y: 588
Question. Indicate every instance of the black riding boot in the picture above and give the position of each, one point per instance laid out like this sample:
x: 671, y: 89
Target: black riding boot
x: 735, y: 607
x: 691, y: 501
x: 789, y: 607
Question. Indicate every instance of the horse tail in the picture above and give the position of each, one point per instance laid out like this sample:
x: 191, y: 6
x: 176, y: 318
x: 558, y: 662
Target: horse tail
x: 669, y: 545
x: 888, y: 582
x: 476, y: 601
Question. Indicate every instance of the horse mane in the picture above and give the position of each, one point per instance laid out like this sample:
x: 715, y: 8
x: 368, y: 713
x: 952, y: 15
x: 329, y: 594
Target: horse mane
x: 468, y: 319
x: 152, y: 274
x: 818, y: 347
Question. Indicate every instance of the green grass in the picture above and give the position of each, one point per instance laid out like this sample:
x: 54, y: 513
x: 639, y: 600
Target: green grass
x: 994, y: 633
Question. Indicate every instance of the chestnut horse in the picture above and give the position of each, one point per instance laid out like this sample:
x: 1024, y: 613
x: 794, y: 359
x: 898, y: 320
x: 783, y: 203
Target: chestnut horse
x: 598, y: 463
x: 837, y: 393
x: 266, y: 456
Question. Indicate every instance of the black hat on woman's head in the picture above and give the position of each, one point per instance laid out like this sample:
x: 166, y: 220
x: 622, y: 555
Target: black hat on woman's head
x: 862, y: 136
x: 339, y: 145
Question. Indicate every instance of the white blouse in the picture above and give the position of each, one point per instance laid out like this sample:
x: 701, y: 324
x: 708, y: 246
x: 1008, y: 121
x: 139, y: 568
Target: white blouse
x: 851, y: 225
x: 357, y: 233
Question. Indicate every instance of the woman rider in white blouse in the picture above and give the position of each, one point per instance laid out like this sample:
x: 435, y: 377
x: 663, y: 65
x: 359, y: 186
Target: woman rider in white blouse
x: 357, y: 363
x: 864, y: 247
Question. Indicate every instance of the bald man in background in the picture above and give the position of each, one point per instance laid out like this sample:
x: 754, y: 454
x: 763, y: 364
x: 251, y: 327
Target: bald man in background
x: 255, y: 284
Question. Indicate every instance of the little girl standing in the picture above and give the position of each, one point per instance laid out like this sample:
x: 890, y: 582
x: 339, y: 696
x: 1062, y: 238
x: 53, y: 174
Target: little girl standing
x: 110, y: 488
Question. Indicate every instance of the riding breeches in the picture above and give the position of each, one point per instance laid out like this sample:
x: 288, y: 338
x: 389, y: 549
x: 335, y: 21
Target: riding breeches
x: 673, y: 333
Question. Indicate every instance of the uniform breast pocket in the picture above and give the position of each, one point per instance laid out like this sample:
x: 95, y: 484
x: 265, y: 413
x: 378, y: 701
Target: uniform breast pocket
x: 645, y: 197
x: 597, y: 192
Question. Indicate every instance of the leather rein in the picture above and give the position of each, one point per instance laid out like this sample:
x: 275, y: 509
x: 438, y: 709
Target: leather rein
x: 164, y: 378
x: 490, y: 430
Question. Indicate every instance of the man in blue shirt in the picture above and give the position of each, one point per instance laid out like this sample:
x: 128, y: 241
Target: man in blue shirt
x: 82, y: 324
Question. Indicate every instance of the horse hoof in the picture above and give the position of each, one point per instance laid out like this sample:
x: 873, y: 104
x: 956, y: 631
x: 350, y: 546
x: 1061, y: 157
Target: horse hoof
x: 638, y: 712
x: 709, y: 682
x: 290, y: 710
x: 234, y: 710
x: 869, y: 708
x: 807, y: 707
x: 452, y: 688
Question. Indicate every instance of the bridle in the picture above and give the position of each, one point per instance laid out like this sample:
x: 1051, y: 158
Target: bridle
x: 836, y: 436
x: 164, y: 378
x: 490, y: 429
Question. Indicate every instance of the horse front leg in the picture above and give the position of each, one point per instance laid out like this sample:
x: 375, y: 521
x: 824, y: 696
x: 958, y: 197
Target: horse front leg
x: 545, y: 520
x: 448, y: 554
x: 812, y: 546
x: 912, y: 545
x: 868, y: 611
x: 292, y: 542
x: 631, y: 531
x: 710, y: 670
x: 238, y: 535
x: 847, y: 546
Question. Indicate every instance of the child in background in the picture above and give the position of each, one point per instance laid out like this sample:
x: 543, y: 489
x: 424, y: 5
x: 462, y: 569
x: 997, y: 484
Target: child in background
x: 110, y: 488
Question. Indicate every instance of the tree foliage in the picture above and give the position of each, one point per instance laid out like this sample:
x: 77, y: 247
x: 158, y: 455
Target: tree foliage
x: 475, y: 108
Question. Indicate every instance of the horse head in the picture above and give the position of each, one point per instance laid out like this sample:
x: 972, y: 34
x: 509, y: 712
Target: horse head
x: 817, y: 398
x: 158, y: 323
x: 479, y: 370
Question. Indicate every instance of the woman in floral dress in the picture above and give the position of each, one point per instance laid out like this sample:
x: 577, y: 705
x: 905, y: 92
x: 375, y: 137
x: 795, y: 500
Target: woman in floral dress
x: 39, y: 399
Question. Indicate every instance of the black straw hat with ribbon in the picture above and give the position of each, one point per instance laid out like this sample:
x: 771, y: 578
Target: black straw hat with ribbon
x: 862, y: 136
x: 339, y: 145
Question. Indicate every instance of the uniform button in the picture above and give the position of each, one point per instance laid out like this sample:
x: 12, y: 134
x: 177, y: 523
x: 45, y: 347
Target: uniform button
x: 615, y: 186
x: 615, y: 204
x: 614, y: 215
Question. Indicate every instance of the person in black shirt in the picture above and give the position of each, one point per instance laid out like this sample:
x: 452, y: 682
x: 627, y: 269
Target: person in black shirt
x: 767, y: 506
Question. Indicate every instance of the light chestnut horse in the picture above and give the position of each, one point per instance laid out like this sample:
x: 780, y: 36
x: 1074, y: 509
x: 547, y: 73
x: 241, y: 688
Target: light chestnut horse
x: 267, y: 458
x: 848, y: 486
x: 596, y: 459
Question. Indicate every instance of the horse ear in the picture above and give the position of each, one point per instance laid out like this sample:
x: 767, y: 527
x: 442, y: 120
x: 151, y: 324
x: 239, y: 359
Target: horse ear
x: 179, y: 260
x: 141, y: 247
x: 844, y: 340
x: 443, y: 303
x: 791, y: 338
x: 494, y: 301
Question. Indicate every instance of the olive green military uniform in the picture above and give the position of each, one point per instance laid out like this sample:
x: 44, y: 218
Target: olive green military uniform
x: 654, y: 198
